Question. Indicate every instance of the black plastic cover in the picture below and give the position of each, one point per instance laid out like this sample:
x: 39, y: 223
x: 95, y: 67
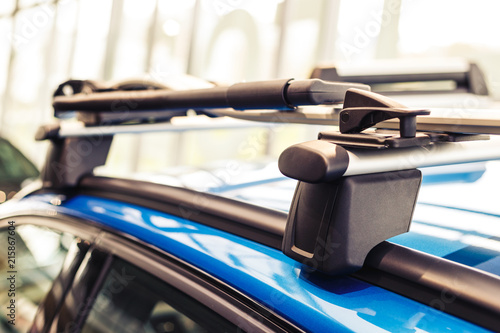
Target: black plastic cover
x: 379, y: 140
x: 68, y: 159
x: 314, y: 161
x: 332, y: 226
x: 254, y: 95
x: 355, y: 120
x: 315, y: 91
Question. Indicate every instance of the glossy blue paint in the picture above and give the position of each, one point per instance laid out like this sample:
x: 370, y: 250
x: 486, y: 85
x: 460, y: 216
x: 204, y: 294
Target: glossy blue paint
x: 466, y: 177
x: 232, y: 187
x: 456, y: 173
x: 313, y: 301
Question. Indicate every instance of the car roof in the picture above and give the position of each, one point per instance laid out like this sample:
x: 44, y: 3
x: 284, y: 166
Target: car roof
x: 312, y: 300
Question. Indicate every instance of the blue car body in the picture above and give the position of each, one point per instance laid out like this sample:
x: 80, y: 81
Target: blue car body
x: 312, y: 301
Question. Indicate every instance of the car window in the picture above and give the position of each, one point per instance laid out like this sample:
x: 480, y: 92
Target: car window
x: 15, y: 169
x: 13, y: 164
x: 31, y: 257
x: 131, y: 300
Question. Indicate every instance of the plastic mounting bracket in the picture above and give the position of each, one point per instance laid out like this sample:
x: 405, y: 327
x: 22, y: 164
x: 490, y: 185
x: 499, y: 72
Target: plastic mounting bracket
x: 71, y: 158
x: 335, y: 220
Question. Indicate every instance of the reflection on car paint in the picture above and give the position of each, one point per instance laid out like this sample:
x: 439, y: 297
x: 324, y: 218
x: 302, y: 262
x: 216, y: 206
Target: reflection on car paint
x: 316, y: 302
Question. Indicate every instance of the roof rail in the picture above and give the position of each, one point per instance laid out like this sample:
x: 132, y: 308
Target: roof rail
x: 467, y: 78
x: 409, y: 272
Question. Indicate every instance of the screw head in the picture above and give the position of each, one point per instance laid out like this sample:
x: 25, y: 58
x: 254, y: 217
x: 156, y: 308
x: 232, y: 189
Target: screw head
x: 344, y: 117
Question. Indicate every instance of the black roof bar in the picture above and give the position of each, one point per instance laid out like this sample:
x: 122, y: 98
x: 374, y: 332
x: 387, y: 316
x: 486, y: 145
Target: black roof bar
x: 67, y: 158
x: 68, y: 161
x: 285, y: 94
x: 97, y: 104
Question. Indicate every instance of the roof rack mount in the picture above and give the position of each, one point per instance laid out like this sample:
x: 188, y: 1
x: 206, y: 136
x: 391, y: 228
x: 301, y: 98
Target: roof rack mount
x: 357, y: 187
x: 337, y: 217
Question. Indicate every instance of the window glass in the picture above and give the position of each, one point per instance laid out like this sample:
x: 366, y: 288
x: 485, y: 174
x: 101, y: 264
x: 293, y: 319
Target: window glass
x: 132, y: 300
x: 172, y: 34
x: 62, y: 46
x: 90, y: 49
x: 39, y: 255
x: 5, y: 30
x: 15, y: 170
x: 235, y: 40
x: 13, y: 165
x: 302, y: 29
x: 131, y: 54
x: 28, y: 3
x: 27, y: 87
x: 7, y: 7
x: 359, y: 27
x: 453, y: 28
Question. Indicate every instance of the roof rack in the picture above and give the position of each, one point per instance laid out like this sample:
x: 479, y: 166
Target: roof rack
x: 465, y: 77
x: 116, y: 106
x: 357, y: 187
x: 107, y: 111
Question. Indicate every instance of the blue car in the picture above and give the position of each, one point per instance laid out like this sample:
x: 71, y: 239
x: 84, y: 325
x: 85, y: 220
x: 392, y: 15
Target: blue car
x: 351, y: 249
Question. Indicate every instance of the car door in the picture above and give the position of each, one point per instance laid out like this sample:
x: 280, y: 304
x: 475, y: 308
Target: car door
x: 128, y: 286
x: 93, y: 280
x: 39, y: 256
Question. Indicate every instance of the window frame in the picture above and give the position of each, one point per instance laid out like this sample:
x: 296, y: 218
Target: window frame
x: 53, y: 299
x: 214, y: 294
x: 106, y: 244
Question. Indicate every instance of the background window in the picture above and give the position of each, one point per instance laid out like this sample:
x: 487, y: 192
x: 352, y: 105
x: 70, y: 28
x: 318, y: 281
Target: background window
x: 47, y: 42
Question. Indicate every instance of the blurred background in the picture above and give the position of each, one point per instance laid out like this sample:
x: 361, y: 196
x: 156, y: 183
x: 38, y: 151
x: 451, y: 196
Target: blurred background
x: 43, y: 43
